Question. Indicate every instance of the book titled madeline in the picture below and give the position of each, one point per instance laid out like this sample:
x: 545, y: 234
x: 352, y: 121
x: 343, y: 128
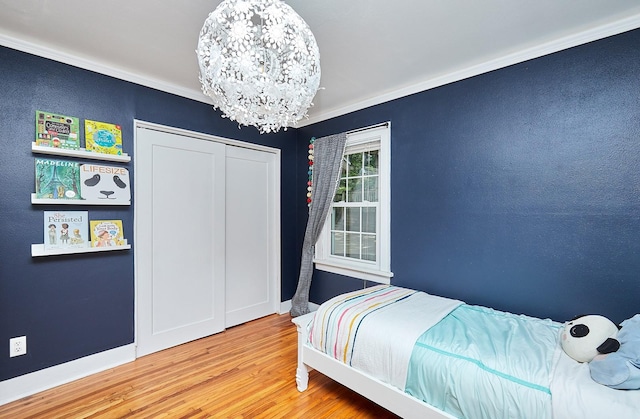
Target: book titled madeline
x: 57, y: 179
x: 66, y: 230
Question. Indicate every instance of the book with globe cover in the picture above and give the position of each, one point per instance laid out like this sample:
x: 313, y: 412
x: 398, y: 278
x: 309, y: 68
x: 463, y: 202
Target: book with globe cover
x: 102, y: 137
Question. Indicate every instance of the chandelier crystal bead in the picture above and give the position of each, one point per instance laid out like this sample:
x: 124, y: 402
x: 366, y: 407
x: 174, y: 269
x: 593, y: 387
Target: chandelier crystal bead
x: 259, y: 63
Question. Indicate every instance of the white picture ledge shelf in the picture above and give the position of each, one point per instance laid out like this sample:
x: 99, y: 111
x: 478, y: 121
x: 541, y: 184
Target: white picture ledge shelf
x: 47, y: 201
x: 82, y: 153
x: 38, y: 250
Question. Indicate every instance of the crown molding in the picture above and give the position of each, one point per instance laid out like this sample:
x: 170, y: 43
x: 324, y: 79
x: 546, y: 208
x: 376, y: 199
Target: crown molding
x: 594, y: 34
x: 102, y: 68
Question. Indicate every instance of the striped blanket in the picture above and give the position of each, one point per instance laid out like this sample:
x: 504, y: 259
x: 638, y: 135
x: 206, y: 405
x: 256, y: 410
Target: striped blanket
x: 374, y: 330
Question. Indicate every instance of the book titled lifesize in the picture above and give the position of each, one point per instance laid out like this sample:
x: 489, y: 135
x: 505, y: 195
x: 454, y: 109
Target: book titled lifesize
x: 105, y: 184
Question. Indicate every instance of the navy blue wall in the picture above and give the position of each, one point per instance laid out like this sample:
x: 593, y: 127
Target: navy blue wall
x: 520, y: 188
x: 78, y: 305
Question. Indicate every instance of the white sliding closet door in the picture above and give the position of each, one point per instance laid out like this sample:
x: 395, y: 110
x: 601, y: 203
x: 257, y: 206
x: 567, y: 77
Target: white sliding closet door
x: 250, y: 254
x: 180, y: 239
x: 207, y: 242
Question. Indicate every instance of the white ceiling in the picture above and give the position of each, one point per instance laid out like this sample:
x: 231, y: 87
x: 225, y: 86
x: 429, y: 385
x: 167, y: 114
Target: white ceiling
x: 371, y: 51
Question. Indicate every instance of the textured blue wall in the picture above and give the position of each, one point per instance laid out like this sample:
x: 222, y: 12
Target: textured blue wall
x: 78, y: 305
x: 520, y: 188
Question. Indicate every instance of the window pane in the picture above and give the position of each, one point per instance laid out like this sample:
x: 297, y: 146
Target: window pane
x: 355, y: 190
x: 352, y: 245
x: 337, y: 219
x: 345, y: 165
x: 355, y: 164
x: 369, y: 247
x: 371, y: 162
x: 341, y: 192
x: 371, y: 189
x: 337, y: 244
x: 353, y: 219
x: 369, y: 220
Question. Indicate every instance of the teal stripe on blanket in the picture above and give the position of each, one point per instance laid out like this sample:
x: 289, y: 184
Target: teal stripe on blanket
x: 491, y: 370
x: 482, y: 363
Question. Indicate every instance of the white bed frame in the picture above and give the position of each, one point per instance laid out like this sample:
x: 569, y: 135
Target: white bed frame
x: 375, y: 390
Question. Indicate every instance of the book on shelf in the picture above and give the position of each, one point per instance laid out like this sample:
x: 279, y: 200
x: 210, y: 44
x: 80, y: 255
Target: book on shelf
x: 106, y: 233
x: 102, y: 137
x: 108, y: 184
x: 59, y: 131
x: 66, y: 230
x: 57, y: 179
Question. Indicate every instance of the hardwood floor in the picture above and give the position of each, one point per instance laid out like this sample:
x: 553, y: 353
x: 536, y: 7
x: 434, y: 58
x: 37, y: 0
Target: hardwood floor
x: 245, y: 372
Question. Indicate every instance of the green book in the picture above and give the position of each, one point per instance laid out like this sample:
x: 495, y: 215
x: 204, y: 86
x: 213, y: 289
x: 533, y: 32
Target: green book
x: 59, y: 131
x: 57, y: 179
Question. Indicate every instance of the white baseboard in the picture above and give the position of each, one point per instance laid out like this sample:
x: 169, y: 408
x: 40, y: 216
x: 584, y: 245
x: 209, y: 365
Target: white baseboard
x: 285, y: 307
x: 35, y: 382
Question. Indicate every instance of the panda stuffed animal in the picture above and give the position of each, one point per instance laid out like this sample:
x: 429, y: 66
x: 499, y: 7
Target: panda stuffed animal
x: 584, y: 337
x: 621, y: 369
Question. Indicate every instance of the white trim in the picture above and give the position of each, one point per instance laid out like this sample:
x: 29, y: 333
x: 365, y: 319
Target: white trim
x: 137, y: 123
x: 102, y: 68
x: 589, y: 35
x: 378, y: 137
x: 594, y: 34
x: 381, y: 277
x: 35, y: 382
x: 285, y: 307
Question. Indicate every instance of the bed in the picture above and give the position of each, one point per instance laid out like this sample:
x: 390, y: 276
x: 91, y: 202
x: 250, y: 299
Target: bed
x: 424, y: 356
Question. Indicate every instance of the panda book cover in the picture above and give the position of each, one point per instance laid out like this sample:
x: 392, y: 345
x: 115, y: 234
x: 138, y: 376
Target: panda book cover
x: 102, y: 137
x: 108, y: 185
x: 57, y: 179
x: 66, y: 229
x: 106, y: 233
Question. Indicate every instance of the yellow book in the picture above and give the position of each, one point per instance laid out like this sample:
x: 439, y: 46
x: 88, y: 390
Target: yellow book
x: 106, y: 233
x: 102, y: 137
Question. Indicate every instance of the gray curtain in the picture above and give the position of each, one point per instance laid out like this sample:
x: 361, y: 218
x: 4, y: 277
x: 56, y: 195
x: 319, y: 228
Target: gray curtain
x: 327, y: 155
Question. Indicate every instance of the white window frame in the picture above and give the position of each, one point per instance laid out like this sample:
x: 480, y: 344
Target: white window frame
x: 379, y: 271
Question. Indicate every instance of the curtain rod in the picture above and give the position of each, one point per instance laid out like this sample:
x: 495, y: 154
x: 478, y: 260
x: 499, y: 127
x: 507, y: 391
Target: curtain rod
x: 383, y: 124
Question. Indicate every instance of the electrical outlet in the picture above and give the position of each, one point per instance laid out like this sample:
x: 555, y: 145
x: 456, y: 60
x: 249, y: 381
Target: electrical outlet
x: 17, y: 346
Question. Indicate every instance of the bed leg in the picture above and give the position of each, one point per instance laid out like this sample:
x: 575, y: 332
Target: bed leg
x: 302, y: 377
x: 302, y: 371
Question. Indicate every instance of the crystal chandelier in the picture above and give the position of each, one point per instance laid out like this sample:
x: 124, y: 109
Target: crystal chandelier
x: 259, y: 62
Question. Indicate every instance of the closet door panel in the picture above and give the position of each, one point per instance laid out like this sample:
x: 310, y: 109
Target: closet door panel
x: 180, y: 237
x: 250, y: 292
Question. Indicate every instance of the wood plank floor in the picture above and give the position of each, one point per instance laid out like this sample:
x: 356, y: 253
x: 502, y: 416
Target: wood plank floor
x: 247, y: 371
